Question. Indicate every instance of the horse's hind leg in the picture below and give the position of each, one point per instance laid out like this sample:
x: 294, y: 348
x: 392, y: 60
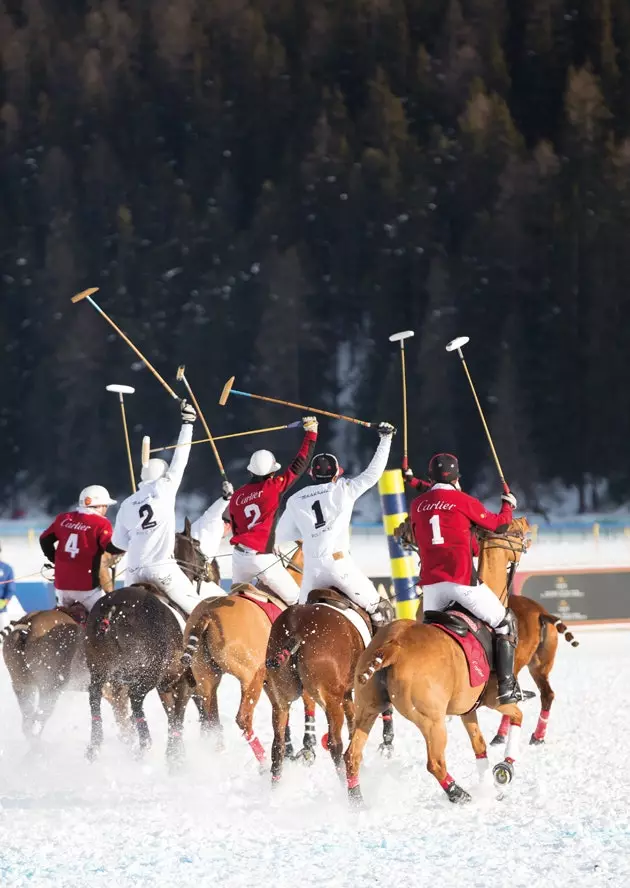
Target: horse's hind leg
x: 366, y: 712
x: 250, y: 695
x: 96, y: 692
x: 118, y: 698
x: 334, y: 705
x: 26, y: 696
x: 205, y: 696
x: 386, y: 748
x: 539, y: 667
x: 309, y: 741
x: 136, y: 698
x: 280, y: 722
x: 478, y: 743
x: 174, y: 702
x: 434, y: 733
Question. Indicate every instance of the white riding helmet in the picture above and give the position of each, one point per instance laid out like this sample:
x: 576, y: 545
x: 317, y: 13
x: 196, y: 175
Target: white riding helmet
x: 263, y: 462
x: 154, y: 470
x: 95, y: 495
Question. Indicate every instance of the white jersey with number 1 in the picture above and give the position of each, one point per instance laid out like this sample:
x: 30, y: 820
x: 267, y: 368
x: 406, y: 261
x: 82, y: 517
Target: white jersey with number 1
x: 145, y: 524
x: 320, y: 515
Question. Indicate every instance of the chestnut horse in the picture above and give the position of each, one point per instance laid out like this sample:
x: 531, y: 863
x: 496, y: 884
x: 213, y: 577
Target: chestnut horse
x: 135, y: 642
x: 230, y: 636
x: 44, y: 652
x: 423, y: 672
x: 313, y: 652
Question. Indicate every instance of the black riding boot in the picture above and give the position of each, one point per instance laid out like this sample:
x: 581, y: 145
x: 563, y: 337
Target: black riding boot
x: 509, y: 690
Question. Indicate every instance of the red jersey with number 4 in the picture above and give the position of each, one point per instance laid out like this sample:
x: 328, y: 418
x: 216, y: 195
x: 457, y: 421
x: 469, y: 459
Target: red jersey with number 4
x: 442, y: 520
x: 82, y: 537
x: 253, y: 507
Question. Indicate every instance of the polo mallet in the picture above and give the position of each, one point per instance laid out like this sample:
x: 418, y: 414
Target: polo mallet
x: 87, y: 294
x: 228, y: 390
x: 457, y: 345
x: 291, y: 425
x: 146, y: 451
x: 400, y: 337
x: 181, y: 376
x: 122, y: 390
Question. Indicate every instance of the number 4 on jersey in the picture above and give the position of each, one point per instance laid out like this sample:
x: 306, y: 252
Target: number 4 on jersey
x: 72, y: 545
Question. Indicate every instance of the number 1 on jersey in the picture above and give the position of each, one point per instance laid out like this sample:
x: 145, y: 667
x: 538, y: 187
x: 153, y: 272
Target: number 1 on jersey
x: 319, y: 515
x: 438, y: 539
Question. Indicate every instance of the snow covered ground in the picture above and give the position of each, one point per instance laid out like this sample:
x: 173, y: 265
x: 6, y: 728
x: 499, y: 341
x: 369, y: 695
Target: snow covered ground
x: 68, y: 824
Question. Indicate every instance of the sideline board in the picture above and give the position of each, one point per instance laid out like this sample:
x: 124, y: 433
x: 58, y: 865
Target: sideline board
x: 579, y: 595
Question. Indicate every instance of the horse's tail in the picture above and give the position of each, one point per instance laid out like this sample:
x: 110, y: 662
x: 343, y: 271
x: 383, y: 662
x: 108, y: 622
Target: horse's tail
x: 104, y: 622
x: 386, y: 655
x: 195, y: 634
x: 18, y: 630
x: 291, y: 647
x: 552, y: 620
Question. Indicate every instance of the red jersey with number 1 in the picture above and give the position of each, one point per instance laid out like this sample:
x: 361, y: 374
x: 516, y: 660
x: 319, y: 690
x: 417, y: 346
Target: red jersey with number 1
x: 81, y: 537
x: 253, y: 507
x: 442, y: 520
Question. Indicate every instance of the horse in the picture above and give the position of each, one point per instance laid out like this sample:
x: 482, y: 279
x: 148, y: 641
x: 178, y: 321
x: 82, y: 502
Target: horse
x: 423, y: 672
x: 134, y: 641
x: 313, y: 652
x: 44, y: 652
x: 229, y: 635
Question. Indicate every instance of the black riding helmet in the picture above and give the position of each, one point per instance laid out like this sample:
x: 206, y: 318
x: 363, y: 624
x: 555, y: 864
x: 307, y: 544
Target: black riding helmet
x: 324, y: 467
x: 444, y: 468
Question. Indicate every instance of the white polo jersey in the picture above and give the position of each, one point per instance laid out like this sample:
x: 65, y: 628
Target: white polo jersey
x: 145, y: 524
x: 320, y: 515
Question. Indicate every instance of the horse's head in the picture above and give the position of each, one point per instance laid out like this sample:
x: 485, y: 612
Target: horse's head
x: 188, y: 554
x: 513, y: 541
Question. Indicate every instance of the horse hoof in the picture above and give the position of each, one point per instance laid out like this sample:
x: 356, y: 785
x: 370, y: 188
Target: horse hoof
x: 306, y: 756
x: 356, y: 800
x: 92, y: 753
x: 499, y: 740
x: 536, y: 741
x: 386, y: 750
x: 457, y: 795
x: 503, y: 773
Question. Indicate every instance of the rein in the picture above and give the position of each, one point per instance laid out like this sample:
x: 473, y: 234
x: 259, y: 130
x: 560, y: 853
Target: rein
x: 514, y: 542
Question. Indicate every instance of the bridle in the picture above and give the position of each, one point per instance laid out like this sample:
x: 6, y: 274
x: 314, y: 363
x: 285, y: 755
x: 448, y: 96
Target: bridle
x: 201, y: 570
x: 287, y: 560
x: 514, y: 541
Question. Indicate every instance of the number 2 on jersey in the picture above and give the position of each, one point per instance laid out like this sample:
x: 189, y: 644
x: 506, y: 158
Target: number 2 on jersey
x: 438, y: 539
x: 72, y: 545
x: 319, y: 515
x: 252, y: 511
x: 146, y: 512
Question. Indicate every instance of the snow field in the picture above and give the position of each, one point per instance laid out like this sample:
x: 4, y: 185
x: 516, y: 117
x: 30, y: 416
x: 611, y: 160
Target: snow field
x: 122, y: 822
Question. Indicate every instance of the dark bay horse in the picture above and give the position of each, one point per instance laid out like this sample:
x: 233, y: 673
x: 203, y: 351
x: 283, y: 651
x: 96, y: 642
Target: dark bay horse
x: 313, y: 652
x: 44, y: 652
x: 134, y: 641
x: 423, y: 672
x: 230, y: 637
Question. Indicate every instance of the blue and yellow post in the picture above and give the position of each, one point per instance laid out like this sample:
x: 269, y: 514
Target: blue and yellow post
x: 392, y: 490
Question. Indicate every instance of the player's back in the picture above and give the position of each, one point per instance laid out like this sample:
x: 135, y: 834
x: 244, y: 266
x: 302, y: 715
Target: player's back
x: 145, y: 525
x: 82, y: 536
x: 442, y: 531
x: 323, y: 513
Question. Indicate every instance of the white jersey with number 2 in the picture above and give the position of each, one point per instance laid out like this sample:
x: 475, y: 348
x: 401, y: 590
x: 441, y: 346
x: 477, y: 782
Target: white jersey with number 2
x: 320, y: 515
x: 145, y: 524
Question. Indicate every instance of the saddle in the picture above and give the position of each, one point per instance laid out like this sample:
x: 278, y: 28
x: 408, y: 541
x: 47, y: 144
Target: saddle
x: 474, y: 637
x: 77, y: 611
x: 261, y: 595
x: 335, y: 598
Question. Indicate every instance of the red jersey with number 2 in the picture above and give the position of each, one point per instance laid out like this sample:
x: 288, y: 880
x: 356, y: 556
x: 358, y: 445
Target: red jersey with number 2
x: 81, y: 540
x: 253, y: 507
x: 442, y: 520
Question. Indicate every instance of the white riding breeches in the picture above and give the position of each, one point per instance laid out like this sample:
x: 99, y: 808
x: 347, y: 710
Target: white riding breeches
x: 248, y: 567
x: 480, y: 601
x: 345, y: 575
x: 68, y: 597
x: 176, y: 585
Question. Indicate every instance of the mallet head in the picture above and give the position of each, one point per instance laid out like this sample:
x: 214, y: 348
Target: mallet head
x: 181, y: 370
x: 146, y: 451
x: 400, y: 337
x: 120, y: 389
x: 457, y: 344
x: 84, y: 294
x: 227, y: 388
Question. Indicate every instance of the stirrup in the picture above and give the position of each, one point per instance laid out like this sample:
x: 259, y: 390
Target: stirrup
x: 511, y: 694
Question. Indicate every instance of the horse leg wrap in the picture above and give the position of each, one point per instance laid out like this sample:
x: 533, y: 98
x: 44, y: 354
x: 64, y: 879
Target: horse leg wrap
x: 541, y: 728
x: 388, y: 728
x: 255, y: 745
x: 310, y: 738
x: 191, y: 649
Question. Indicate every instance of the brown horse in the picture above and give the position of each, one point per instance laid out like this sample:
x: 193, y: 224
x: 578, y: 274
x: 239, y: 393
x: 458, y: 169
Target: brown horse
x: 423, y: 672
x: 135, y: 642
x: 230, y: 636
x: 313, y: 652
x: 537, y: 630
x: 44, y: 652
